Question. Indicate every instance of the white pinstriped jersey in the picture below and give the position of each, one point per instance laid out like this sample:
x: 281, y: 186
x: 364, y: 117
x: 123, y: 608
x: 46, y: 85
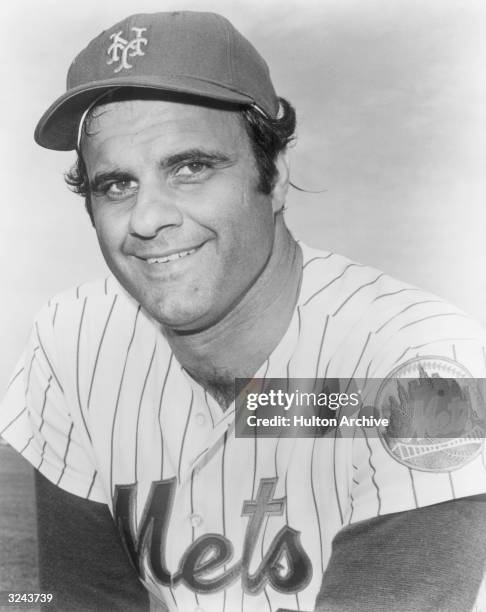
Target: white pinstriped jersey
x: 102, y: 408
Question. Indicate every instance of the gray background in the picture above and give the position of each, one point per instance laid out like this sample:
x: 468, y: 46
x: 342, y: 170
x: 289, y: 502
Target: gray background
x: 391, y: 102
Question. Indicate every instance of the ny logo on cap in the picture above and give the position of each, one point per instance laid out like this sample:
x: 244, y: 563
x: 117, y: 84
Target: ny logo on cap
x: 120, y: 49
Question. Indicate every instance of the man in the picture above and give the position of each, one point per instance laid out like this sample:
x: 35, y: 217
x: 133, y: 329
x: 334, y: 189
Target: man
x: 125, y: 399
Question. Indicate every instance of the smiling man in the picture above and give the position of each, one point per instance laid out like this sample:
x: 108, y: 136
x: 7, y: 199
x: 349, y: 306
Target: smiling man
x: 124, y: 401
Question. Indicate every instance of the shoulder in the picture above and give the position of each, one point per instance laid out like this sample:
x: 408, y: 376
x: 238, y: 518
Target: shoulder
x: 79, y: 318
x: 345, y: 287
x: 380, y: 321
x: 88, y: 298
x: 351, y: 283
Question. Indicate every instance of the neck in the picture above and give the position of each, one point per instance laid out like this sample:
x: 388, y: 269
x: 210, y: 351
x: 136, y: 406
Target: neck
x: 238, y: 344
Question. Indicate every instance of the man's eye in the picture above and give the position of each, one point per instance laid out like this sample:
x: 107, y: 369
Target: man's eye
x: 120, y: 188
x: 191, y: 169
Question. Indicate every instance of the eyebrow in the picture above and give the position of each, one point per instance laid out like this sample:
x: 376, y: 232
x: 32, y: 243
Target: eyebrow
x: 190, y: 155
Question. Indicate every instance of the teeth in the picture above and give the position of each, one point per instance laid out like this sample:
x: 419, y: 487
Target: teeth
x: 152, y: 260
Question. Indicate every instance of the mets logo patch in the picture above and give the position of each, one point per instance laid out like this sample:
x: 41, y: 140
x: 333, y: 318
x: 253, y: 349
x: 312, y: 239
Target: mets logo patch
x: 436, y: 414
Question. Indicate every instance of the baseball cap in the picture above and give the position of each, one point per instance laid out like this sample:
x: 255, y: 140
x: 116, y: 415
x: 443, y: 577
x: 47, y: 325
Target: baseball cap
x: 185, y: 52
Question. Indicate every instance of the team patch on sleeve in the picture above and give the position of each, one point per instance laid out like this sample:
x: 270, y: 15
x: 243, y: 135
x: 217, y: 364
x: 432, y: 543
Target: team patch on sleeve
x: 435, y: 412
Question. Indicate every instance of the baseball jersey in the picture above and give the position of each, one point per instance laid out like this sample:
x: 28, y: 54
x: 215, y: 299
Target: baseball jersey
x: 220, y: 523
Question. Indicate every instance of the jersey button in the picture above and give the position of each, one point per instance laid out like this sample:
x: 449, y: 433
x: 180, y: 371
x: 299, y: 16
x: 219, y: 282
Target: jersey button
x: 200, y: 418
x: 196, y: 521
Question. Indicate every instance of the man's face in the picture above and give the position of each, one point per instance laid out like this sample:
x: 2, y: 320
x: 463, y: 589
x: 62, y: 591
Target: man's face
x: 176, y: 207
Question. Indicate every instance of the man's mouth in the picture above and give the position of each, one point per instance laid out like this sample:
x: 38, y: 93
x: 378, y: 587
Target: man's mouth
x: 172, y: 257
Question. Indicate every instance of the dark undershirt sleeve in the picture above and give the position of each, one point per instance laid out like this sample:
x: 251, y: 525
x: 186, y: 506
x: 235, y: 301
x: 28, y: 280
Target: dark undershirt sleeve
x: 81, y: 558
x: 426, y: 560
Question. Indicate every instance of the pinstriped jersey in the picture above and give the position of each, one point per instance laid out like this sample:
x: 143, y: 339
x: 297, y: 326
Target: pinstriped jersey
x: 215, y: 522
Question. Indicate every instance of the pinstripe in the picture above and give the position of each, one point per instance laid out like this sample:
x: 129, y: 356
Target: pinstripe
x: 266, y: 596
x: 297, y: 601
x: 14, y: 377
x: 172, y: 593
x: 262, y: 552
x: 373, y: 472
x: 64, y: 459
x: 106, y: 286
x: 55, y: 314
x: 320, y: 258
x: 42, y: 455
x: 255, y: 446
x: 336, y: 491
x: 454, y: 355
x: 414, y: 491
x: 355, y: 469
x: 140, y: 409
x: 451, y: 482
x: 95, y: 474
x: 377, y: 331
x: 435, y: 316
x: 324, y: 287
x: 98, y: 352
x: 117, y: 403
x: 286, y: 497
x: 351, y: 498
x: 81, y: 319
x: 324, y: 376
x: 419, y: 346
x: 361, y: 354
x: 223, y: 510
x: 367, y: 373
x: 209, y: 409
x: 315, y: 504
x: 77, y: 292
x: 17, y: 416
x: 192, y: 526
x: 160, y: 410
x: 384, y: 295
x: 255, y: 455
x: 223, y: 501
x: 22, y: 450
x: 267, y: 368
x: 320, y: 348
x: 186, y: 426
x: 404, y: 353
x: 299, y: 319
x: 44, y: 403
x: 351, y: 295
x: 47, y: 358
x: 299, y: 325
x: 27, y: 384
x: 192, y: 502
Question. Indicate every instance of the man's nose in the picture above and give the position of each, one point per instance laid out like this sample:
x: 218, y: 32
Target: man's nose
x: 153, y: 210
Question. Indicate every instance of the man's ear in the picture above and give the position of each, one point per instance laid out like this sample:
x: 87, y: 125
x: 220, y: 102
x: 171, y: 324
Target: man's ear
x: 279, y: 193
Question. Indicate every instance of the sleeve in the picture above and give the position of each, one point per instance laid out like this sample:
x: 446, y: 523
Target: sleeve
x: 36, y: 420
x: 427, y: 379
x: 81, y: 558
x: 428, y: 559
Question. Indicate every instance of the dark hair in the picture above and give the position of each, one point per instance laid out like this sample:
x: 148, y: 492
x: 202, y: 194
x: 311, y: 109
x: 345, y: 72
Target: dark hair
x: 268, y: 137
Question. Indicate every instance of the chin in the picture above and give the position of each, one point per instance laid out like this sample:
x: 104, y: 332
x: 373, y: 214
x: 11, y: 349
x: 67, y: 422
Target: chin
x: 178, y: 315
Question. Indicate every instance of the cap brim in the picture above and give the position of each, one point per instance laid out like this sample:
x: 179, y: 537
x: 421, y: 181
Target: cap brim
x: 58, y: 126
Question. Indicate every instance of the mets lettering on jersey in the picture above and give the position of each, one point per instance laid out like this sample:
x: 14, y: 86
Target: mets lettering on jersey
x: 102, y: 408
